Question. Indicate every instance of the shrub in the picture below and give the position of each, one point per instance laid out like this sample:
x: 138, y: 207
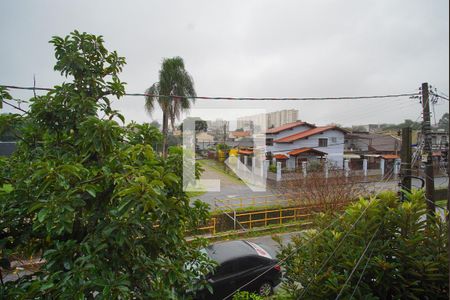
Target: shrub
x: 246, y: 296
x: 273, y: 168
x: 314, y: 166
x: 407, y: 258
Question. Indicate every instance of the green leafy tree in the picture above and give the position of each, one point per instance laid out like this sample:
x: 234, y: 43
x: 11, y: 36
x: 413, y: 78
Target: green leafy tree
x: 107, y: 215
x: 246, y: 296
x: 200, y: 125
x: 174, y: 80
x: 405, y: 260
x: 155, y: 124
x: 443, y: 122
x: 407, y: 123
x: 4, y: 95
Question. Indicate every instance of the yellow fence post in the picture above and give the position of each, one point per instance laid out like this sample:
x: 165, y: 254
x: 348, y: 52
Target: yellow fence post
x: 250, y: 223
x: 281, y: 216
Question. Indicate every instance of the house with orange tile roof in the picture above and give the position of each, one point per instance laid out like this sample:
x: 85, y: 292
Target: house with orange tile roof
x: 297, y: 142
x: 236, y: 135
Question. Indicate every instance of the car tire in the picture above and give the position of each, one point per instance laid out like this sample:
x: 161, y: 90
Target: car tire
x: 265, y: 289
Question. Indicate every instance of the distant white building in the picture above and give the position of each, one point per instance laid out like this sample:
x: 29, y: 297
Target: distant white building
x: 299, y: 141
x: 281, y: 117
x: 218, y: 125
x: 273, y: 119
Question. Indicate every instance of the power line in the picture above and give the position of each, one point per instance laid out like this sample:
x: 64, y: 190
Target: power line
x: 362, y: 273
x: 324, y: 263
x: 357, y: 264
x: 240, y: 98
x: 439, y: 96
x: 281, y: 262
x: 338, y: 246
x: 15, y: 107
x: 305, y: 291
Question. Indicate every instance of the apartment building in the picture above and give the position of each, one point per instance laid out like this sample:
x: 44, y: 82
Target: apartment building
x: 271, y: 120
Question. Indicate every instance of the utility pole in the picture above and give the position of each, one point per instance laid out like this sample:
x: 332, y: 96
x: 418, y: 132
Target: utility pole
x: 426, y: 133
x: 406, y: 154
x: 448, y: 200
x: 224, y: 133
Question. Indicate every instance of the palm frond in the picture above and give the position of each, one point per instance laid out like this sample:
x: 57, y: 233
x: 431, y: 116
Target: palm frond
x: 173, y: 80
x: 151, y: 97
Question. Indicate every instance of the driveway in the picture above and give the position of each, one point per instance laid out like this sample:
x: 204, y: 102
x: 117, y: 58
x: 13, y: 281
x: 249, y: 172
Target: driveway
x: 230, y: 185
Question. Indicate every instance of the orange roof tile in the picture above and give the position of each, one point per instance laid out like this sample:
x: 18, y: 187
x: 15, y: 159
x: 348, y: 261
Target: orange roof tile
x: 241, y: 133
x: 246, y: 152
x: 280, y: 156
x: 305, y: 150
x: 307, y: 133
x: 288, y: 126
x: 390, y: 156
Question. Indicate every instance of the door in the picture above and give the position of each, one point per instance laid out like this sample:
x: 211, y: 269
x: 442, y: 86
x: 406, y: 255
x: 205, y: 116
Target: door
x: 247, y: 269
x: 223, y: 281
x: 300, y: 161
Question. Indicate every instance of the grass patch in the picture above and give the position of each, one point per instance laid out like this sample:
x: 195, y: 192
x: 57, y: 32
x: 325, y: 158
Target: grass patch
x: 195, y: 194
x: 219, y: 167
x: 267, y: 230
x: 226, y: 209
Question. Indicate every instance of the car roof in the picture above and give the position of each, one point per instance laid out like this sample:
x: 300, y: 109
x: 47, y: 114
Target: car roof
x: 227, y: 251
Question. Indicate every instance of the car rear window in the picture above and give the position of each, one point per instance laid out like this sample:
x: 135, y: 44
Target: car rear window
x: 227, y: 251
x: 250, y: 262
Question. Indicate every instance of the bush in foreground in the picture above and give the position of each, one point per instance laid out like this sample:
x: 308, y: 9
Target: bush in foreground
x: 406, y: 256
x: 92, y: 198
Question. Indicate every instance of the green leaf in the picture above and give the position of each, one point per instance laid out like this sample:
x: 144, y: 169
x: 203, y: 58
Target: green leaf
x: 91, y: 192
x: 47, y: 286
x: 7, y: 188
x: 42, y: 214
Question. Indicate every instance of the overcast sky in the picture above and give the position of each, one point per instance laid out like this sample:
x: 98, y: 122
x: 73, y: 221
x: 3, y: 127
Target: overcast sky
x: 254, y: 48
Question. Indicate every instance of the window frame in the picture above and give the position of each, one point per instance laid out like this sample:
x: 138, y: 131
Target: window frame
x: 323, y: 140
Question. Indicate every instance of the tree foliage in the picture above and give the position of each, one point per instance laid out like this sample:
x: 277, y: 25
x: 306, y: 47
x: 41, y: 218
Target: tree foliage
x: 174, y: 80
x: 107, y: 215
x: 200, y: 125
x: 443, y: 122
x: 407, y: 258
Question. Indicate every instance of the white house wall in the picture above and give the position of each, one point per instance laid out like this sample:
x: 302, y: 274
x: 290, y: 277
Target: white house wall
x: 285, y: 133
x: 334, y: 150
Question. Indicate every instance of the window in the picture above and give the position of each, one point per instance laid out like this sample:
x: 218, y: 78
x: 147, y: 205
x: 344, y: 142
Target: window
x: 269, y: 142
x: 434, y: 140
x: 334, y: 140
x: 224, y: 269
x: 247, y: 263
x: 323, y: 142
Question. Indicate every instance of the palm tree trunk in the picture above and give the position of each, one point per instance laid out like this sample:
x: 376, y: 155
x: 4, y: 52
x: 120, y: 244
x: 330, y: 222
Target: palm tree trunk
x: 165, y: 132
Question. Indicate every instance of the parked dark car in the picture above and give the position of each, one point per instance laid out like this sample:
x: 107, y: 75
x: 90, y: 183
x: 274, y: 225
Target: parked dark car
x: 241, y: 265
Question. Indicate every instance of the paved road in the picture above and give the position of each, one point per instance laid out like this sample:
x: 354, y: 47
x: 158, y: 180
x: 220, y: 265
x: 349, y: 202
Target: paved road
x: 267, y: 240
x: 232, y: 188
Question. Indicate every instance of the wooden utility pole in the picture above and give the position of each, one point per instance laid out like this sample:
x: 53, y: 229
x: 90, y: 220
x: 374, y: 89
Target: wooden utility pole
x: 406, y: 156
x: 448, y: 200
x: 428, y: 150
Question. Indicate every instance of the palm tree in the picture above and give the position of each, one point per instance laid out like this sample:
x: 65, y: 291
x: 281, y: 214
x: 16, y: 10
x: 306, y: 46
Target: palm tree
x: 174, y: 80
